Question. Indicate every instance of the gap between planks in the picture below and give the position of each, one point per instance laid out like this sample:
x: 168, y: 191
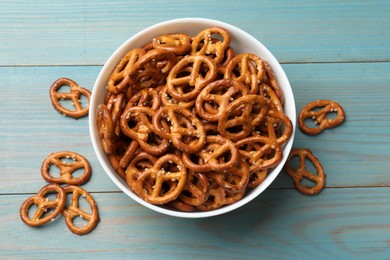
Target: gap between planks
x: 281, y: 62
x: 271, y: 188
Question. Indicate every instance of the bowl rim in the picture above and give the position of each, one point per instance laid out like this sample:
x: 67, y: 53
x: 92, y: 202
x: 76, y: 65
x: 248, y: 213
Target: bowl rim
x: 102, y: 157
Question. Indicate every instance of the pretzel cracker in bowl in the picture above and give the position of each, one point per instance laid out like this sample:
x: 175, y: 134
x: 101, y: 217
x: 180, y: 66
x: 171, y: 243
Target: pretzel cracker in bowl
x: 197, y: 98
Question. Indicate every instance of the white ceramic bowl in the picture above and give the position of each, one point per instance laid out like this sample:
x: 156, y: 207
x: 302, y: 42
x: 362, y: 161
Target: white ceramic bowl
x: 242, y: 42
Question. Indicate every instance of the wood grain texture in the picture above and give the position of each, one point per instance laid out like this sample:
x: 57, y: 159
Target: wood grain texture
x: 87, y: 32
x: 30, y: 128
x: 279, y: 224
x: 330, y: 49
x: 356, y: 153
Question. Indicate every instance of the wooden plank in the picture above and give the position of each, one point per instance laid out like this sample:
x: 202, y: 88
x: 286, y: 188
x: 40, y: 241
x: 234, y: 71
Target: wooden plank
x: 30, y: 128
x: 329, y: 49
x: 78, y: 33
x: 337, y: 224
x: 354, y: 154
x: 357, y: 153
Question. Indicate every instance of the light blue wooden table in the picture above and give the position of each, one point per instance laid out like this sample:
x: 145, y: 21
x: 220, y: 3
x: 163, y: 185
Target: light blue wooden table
x: 336, y: 50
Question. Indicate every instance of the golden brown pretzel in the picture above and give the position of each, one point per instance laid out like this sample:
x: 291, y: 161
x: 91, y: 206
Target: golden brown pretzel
x: 196, y: 189
x: 141, y: 162
x: 277, y: 119
x: 215, y: 200
x: 106, y: 129
x: 219, y: 197
x: 204, y: 44
x: 150, y: 69
x: 168, y: 100
x: 73, y: 210
x: 177, y: 85
x: 107, y: 97
x: 129, y: 153
x: 147, y: 47
x: 66, y: 168
x: 119, y: 79
x: 233, y: 180
x: 220, y: 93
x: 256, y: 178
x: 177, y: 43
x: 272, y: 82
x: 43, y: 215
x: 251, y: 110
x: 267, y: 91
x: 246, y: 68
x: 129, y: 93
x: 143, y: 130
x: 125, y: 152
x: 176, y: 117
x: 301, y: 171
x: 114, y: 160
x: 230, y: 53
x: 136, y: 122
x: 181, y: 206
x: 233, y: 197
x: 211, y: 128
x: 212, y: 156
x: 115, y: 104
x: 147, y: 97
x: 164, y: 181
x: 319, y: 116
x: 261, y: 152
x: 74, y: 95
